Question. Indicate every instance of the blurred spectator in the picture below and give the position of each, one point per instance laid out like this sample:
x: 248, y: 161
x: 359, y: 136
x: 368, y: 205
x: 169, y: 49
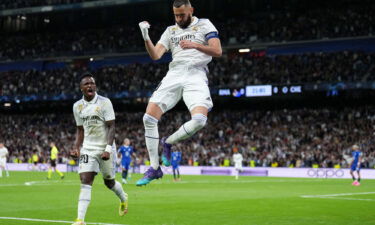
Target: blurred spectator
x: 284, y: 138
x: 13, y: 4
x: 239, y: 71
x: 282, y: 26
x: 235, y: 72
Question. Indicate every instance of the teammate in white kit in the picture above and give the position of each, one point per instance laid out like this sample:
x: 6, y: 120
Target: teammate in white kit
x: 95, y: 119
x: 3, y: 160
x: 193, y: 42
x: 237, y: 159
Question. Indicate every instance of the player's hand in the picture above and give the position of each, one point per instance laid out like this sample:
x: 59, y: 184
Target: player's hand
x: 74, y: 153
x: 105, y: 155
x: 186, y: 44
x: 144, y: 26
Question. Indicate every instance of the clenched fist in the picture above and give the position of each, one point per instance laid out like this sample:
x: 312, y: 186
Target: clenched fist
x: 144, y: 26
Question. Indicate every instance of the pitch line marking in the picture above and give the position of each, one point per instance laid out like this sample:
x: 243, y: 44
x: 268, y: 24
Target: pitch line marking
x: 47, y: 182
x: 52, y: 221
x: 337, y: 196
x: 39, y: 183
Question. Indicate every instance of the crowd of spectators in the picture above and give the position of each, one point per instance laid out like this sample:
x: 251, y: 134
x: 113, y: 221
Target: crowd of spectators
x: 281, y: 26
x: 296, y: 68
x: 132, y: 77
x: 284, y: 138
x: 14, y: 4
x: 299, y: 25
x: 234, y: 72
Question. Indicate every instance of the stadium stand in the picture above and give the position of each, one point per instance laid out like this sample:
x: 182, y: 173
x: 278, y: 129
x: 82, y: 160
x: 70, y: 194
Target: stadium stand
x: 233, y: 72
x: 14, y: 4
x: 280, y: 27
x: 298, y: 137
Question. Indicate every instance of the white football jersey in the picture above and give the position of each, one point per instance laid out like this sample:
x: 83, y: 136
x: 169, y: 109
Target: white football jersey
x: 3, y: 152
x: 199, y: 31
x: 92, y: 116
x: 237, y: 159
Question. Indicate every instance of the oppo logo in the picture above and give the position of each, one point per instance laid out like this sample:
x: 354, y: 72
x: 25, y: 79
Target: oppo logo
x: 325, y: 173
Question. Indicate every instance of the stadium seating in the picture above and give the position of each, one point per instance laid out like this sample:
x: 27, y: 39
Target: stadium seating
x: 13, y: 4
x: 281, y: 26
x: 234, y: 72
x: 298, y: 138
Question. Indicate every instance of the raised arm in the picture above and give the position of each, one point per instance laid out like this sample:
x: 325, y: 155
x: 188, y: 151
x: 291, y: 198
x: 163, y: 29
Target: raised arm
x: 155, y: 51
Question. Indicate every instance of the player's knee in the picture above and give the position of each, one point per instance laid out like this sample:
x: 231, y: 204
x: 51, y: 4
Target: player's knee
x: 109, y: 183
x: 199, y: 120
x: 86, y: 180
x: 149, y: 121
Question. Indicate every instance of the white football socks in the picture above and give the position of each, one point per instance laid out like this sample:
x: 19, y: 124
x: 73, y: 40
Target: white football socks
x: 152, y: 139
x: 84, y: 201
x: 188, y: 129
x: 237, y: 174
x: 119, y: 191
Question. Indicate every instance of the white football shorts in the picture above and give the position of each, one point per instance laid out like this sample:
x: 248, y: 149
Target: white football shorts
x: 91, y: 161
x: 238, y: 166
x: 189, y: 83
x: 3, y: 162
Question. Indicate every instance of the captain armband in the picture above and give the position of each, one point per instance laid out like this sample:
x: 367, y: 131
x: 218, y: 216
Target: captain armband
x: 210, y: 35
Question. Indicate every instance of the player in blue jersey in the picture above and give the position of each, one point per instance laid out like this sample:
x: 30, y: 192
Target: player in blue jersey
x: 355, y: 166
x: 126, y: 151
x: 175, y: 161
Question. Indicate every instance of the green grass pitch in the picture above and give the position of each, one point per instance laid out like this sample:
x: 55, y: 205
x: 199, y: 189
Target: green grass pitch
x: 192, y: 201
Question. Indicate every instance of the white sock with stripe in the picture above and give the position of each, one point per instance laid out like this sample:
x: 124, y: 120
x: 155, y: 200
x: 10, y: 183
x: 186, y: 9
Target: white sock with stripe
x: 84, y: 201
x: 152, y: 139
x: 188, y: 129
x: 119, y: 191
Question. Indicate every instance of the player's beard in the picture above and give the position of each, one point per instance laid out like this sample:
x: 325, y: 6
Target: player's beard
x: 185, y: 24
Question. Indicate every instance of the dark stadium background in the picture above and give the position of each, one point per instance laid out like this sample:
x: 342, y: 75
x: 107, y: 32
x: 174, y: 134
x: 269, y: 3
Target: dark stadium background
x: 326, y: 48
x: 293, y: 92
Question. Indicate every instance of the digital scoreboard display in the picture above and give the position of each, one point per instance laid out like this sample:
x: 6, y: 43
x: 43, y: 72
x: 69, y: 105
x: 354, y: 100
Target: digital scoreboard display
x: 258, y: 90
x: 261, y: 91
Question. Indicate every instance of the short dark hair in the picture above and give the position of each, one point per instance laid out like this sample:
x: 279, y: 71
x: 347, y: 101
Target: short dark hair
x: 179, y: 3
x: 84, y: 75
